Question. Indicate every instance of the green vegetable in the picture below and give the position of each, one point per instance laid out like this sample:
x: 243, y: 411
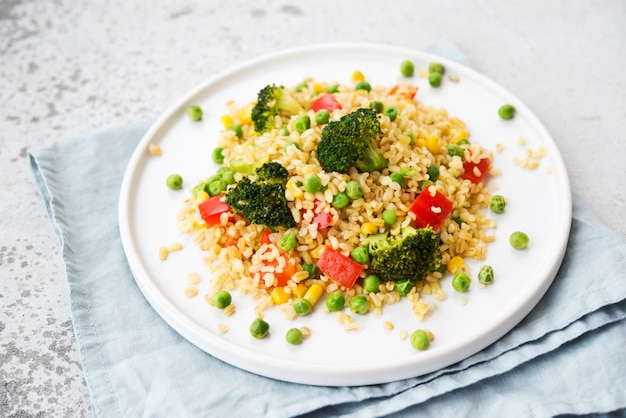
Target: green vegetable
x: 392, y: 112
x: 354, y: 190
x: 340, y: 200
x: 397, y: 178
x: 284, y: 132
x: 302, y: 306
x: 420, y: 340
x: 348, y: 142
x: 301, y: 86
x: 262, y: 200
x: 485, y: 275
x: 371, y: 283
x: 174, y: 181
x: 425, y: 183
x: 302, y: 123
x: 290, y: 144
x: 311, y: 269
x: 411, y: 136
x: 360, y: 254
x: 461, y: 282
x: 312, y: 183
x: 236, y: 128
x: 272, y: 101
x: 335, y: 301
x: 497, y: 204
x: 406, y: 172
x: 435, y: 79
x: 436, y: 67
x: 227, y: 174
x: 243, y: 167
x: 288, y: 241
x: 322, y: 116
x: 221, y: 299
x: 363, y: 85
x: 506, y: 111
x: 377, y: 106
x: 390, y: 216
x: 259, y: 328
x: 518, y: 240
x: 407, y: 68
x: 456, y: 150
x: 412, y: 255
x: 294, y: 336
x: 333, y: 89
x: 433, y: 172
x: 216, y: 187
x: 218, y: 156
x: 194, y: 112
x: 404, y: 286
x: 359, y: 305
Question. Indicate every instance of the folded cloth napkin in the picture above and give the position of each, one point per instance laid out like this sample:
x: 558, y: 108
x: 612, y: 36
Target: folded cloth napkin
x: 566, y: 357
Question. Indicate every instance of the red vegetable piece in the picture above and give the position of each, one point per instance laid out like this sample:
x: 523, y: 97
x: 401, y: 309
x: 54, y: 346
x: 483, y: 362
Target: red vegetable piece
x: 211, y: 209
x: 265, y: 238
x: 323, y: 220
x: 482, y: 167
x: 325, y: 101
x: 288, y: 271
x: 431, y: 210
x: 339, y: 268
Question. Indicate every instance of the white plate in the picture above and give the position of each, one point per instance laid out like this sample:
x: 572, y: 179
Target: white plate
x: 539, y: 204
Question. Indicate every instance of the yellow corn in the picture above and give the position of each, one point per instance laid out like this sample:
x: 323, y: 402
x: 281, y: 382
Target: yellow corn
x: 460, y: 136
x: 201, y: 196
x: 432, y: 144
x: 279, y: 296
x: 227, y: 121
x: 300, y: 290
x: 316, y: 252
x: 318, y: 88
x: 455, y: 263
x: 245, y: 116
x: 368, y: 228
x: 294, y: 189
x: 357, y: 76
x: 314, y: 293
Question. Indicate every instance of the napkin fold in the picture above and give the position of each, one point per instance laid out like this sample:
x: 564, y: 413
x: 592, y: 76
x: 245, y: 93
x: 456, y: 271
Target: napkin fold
x: 566, y: 357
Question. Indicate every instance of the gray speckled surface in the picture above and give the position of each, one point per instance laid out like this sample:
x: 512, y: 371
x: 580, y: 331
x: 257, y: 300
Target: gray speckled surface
x: 68, y: 69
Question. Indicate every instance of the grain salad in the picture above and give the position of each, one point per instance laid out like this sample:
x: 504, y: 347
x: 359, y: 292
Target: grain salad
x: 340, y: 217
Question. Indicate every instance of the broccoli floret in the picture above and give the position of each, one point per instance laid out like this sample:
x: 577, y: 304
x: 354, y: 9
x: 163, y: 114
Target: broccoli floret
x: 262, y: 199
x: 348, y: 143
x: 410, y: 256
x: 271, y: 101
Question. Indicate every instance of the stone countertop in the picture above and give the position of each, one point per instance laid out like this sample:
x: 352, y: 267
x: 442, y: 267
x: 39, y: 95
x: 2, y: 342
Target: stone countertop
x: 68, y: 69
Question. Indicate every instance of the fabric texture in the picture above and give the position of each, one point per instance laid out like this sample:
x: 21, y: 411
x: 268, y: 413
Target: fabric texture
x: 566, y: 357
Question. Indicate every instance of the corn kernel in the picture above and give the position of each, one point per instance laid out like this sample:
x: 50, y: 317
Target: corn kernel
x: 295, y: 190
x: 227, y: 121
x: 314, y: 293
x: 460, y: 136
x: 368, y: 228
x: 317, y: 87
x: 279, y: 296
x: 432, y: 144
x: 191, y: 291
x: 357, y: 76
x: 316, y: 252
x: 300, y: 290
x: 154, y: 149
x: 201, y: 196
x: 245, y: 116
x: 163, y: 253
x: 455, y: 263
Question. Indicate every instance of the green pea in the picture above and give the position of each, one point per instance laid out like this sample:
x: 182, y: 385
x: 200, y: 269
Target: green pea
x: 294, y: 336
x: 227, y: 174
x: 334, y: 88
x: 322, y: 116
x: 197, y: 188
x: 404, y: 286
x: 360, y: 254
x: 312, y: 183
x: 377, y: 106
x: 407, y: 68
x: 518, y: 240
x: 218, y: 155
x: 406, y: 172
x: 288, y: 241
x: 371, y: 283
x: 340, y: 200
x: 221, y: 299
x: 174, y: 181
x: 359, y: 305
x: 397, y: 178
x: 335, y: 301
x: 283, y: 132
x: 216, y: 187
x: 485, y: 275
x: 236, y: 128
x: 302, y: 123
x: 463, y: 142
x: 435, y: 79
x: 411, y: 135
x: 420, y: 340
x: 506, y: 111
x: 425, y: 183
x: 259, y: 328
x: 290, y: 144
x: 363, y: 85
x: 461, y: 282
x: 456, y: 150
x: 194, y: 112
x: 302, y: 306
x: 433, y: 172
x: 301, y: 86
x: 391, y: 112
x: 390, y: 217
x: 311, y: 269
x: 354, y: 190
x: 436, y: 67
x: 497, y: 204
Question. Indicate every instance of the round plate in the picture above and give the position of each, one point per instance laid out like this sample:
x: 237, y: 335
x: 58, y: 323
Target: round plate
x: 539, y: 203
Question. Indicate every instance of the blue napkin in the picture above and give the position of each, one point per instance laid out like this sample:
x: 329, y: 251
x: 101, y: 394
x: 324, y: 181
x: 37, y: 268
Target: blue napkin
x: 567, y: 356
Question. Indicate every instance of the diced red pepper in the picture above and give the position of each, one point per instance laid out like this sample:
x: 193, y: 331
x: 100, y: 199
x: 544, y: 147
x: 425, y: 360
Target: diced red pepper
x: 212, y: 208
x: 287, y: 272
x: 265, y: 238
x: 431, y: 210
x: 482, y: 167
x: 323, y: 220
x: 325, y: 101
x: 339, y: 268
x: 405, y: 91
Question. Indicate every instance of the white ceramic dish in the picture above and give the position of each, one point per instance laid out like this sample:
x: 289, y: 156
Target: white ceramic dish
x: 539, y: 204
